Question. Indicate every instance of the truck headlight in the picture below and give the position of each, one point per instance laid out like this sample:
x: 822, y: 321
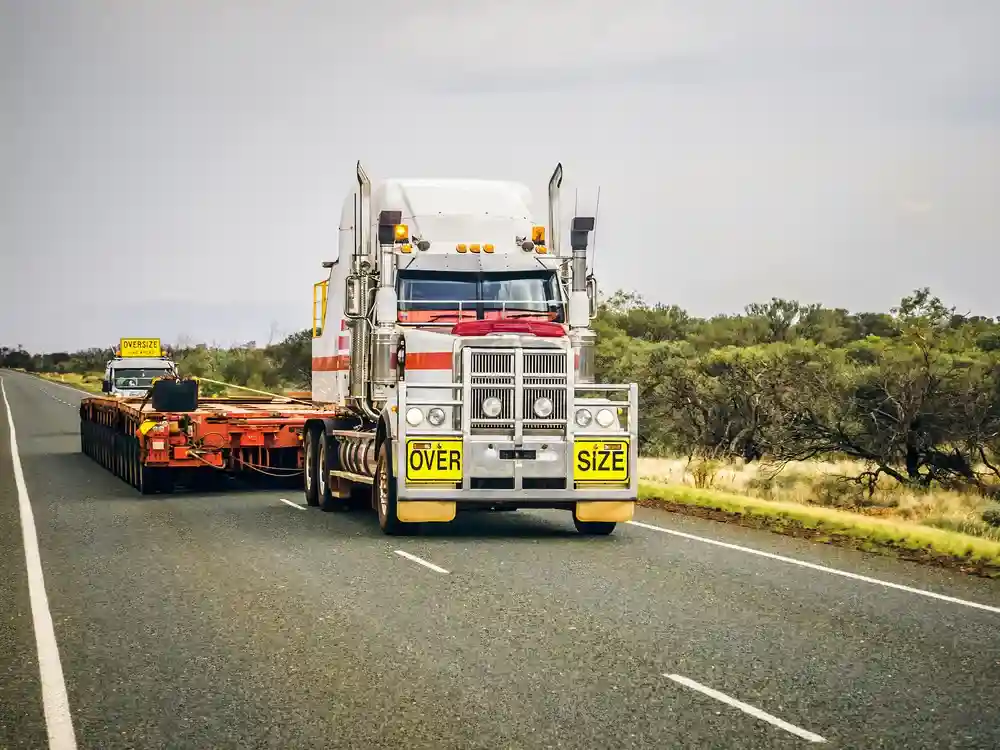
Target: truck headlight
x: 414, y: 416
x: 605, y: 418
x: 436, y: 416
x: 583, y: 417
x: 492, y: 407
x: 543, y: 407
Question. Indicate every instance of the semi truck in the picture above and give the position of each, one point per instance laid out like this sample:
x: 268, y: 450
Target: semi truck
x: 453, y: 336
x: 453, y: 370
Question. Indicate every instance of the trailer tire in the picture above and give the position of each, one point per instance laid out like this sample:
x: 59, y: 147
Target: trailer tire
x: 328, y: 501
x: 147, y: 478
x: 384, y: 495
x: 594, y: 528
x: 310, y: 468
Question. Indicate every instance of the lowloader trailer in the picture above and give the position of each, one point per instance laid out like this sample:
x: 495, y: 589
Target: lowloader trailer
x: 452, y: 370
x: 154, y: 446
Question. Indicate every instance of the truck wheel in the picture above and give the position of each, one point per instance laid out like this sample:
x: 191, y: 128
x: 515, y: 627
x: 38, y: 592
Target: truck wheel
x: 309, y: 468
x: 384, y: 493
x: 147, y: 477
x: 594, y: 528
x: 324, y: 463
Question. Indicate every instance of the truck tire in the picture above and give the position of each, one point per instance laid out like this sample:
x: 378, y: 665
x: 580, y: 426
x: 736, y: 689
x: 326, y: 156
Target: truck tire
x: 310, y: 468
x: 146, y: 481
x: 384, y: 494
x: 594, y: 528
x: 328, y: 501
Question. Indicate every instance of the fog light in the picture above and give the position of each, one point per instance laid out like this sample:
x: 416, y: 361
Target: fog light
x: 414, y: 416
x: 543, y: 407
x: 605, y: 418
x: 436, y: 416
x: 492, y: 407
x: 584, y: 417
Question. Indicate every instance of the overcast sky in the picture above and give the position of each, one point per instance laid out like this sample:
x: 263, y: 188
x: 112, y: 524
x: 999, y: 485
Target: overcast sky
x: 176, y: 169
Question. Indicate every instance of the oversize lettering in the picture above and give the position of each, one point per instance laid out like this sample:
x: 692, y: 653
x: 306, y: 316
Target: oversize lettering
x: 602, y: 462
x: 434, y: 462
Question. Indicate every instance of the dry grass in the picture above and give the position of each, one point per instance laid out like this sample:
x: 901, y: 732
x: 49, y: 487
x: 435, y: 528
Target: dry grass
x: 972, y: 554
x: 821, y: 484
x: 89, y: 383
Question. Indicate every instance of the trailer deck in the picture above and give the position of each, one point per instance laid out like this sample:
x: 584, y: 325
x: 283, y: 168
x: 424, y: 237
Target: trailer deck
x: 153, y: 450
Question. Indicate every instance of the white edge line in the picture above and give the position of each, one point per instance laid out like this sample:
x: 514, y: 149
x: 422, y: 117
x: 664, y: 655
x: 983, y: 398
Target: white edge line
x: 78, y: 391
x: 421, y: 561
x: 746, y: 708
x: 55, y: 700
x: 294, y: 505
x: 823, y: 568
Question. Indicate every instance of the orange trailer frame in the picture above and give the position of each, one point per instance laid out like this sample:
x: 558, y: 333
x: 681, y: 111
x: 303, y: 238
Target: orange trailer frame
x: 150, y: 449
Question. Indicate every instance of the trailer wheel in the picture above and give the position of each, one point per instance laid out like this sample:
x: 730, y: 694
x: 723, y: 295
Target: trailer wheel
x: 309, y: 467
x: 328, y: 501
x: 594, y: 528
x: 147, y: 478
x: 384, y: 494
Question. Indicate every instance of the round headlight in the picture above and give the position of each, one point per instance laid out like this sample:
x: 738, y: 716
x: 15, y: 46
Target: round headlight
x: 414, y: 416
x: 492, y: 407
x: 543, y: 407
x: 605, y: 418
x: 436, y: 416
x: 584, y: 417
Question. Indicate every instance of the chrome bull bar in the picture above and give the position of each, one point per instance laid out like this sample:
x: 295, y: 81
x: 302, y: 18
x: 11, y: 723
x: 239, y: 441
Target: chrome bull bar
x: 562, y: 443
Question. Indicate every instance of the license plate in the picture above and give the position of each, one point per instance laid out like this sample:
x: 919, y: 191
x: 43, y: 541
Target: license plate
x: 433, y: 460
x: 601, y: 461
x: 524, y: 454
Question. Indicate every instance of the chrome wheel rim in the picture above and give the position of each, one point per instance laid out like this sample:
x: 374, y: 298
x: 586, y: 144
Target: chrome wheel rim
x: 321, y: 461
x: 383, y: 492
x: 309, y: 465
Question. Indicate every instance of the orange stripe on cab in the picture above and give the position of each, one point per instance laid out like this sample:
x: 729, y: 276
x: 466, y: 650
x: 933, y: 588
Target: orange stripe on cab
x: 414, y: 361
x: 428, y: 360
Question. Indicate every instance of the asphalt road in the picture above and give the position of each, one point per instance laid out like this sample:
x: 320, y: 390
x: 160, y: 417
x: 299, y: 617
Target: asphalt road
x: 241, y: 621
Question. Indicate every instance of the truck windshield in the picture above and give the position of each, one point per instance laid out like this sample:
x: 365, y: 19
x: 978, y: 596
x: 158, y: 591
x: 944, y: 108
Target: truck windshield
x: 139, y: 377
x: 431, y: 297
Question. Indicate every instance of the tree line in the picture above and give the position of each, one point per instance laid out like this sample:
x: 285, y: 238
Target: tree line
x: 913, y: 394
x: 286, y: 365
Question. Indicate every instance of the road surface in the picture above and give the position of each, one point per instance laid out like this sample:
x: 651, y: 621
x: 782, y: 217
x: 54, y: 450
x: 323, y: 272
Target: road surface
x: 244, y: 620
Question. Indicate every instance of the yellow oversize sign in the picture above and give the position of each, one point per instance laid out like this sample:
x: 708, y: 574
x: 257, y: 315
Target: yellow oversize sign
x: 140, y: 348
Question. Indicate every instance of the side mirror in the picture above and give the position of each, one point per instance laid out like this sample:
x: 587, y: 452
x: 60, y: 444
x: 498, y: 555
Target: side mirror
x: 105, y: 386
x: 592, y: 295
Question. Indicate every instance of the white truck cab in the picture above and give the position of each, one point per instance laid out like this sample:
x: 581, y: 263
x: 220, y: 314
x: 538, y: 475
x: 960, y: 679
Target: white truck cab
x: 452, y: 340
x: 132, y: 377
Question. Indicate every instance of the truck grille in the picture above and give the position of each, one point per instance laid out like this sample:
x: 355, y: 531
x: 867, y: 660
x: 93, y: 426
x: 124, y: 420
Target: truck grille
x: 493, y: 374
x: 492, y: 369
x: 542, y: 371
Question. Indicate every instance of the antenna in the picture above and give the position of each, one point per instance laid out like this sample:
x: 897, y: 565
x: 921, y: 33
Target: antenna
x: 597, y: 214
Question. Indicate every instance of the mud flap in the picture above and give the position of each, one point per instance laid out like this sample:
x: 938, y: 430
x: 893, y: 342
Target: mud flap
x: 425, y: 511
x: 605, y: 510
